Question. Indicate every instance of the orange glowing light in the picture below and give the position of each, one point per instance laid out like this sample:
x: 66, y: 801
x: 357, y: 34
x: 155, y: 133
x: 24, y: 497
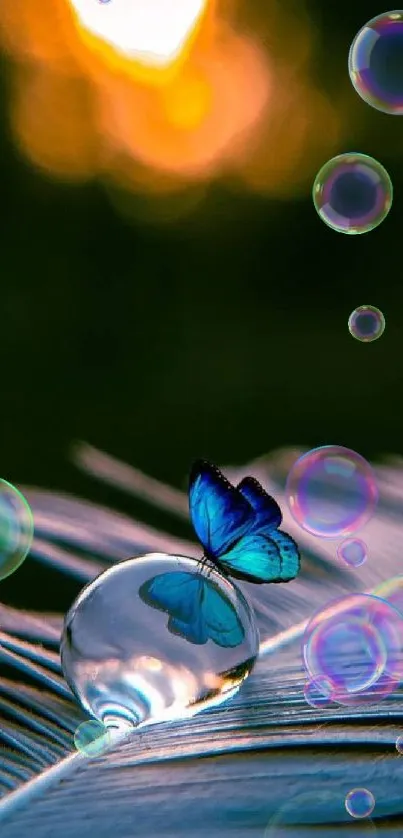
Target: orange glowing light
x: 155, y: 95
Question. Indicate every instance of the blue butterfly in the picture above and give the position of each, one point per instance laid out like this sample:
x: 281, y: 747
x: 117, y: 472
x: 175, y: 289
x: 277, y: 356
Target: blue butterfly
x: 238, y: 528
x: 198, y: 610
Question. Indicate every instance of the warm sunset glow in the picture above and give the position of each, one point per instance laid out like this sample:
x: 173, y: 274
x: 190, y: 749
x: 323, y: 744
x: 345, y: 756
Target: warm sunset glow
x: 153, y: 32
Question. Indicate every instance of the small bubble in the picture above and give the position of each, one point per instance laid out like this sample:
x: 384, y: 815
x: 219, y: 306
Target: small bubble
x: 352, y: 193
x: 375, y: 63
x: 92, y: 738
x: 399, y: 744
x: 356, y: 644
x: 331, y: 491
x: 16, y: 529
x: 353, y: 552
x: 360, y: 803
x: 366, y: 323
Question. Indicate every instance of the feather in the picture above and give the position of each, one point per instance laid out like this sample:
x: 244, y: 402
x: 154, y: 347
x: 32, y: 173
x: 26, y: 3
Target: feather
x: 228, y: 771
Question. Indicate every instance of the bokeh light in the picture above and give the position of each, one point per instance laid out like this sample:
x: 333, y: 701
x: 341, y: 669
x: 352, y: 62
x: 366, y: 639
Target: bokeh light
x: 170, y: 104
x: 352, y: 193
x: 352, y: 551
x: 375, y: 62
x: 16, y: 529
x: 92, y: 738
x: 331, y: 491
x: 356, y: 643
x: 318, y: 693
x: 360, y: 803
x: 366, y: 323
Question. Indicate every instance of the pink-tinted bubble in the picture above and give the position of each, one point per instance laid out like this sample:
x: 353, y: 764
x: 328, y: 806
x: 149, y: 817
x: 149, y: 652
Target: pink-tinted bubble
x: 352, y: 193
x: 318, y: 693
x: 331, y: 491
x: 375, y: 62
x: 352, y: 551
x: 360, y: 803
x: 356, y: 643
x: 366, y: 323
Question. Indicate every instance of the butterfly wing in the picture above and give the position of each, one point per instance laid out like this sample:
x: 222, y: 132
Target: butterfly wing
x: 198, y: 611
x: 260, y: 558
x: 267, y: 511
x: 220, y: 514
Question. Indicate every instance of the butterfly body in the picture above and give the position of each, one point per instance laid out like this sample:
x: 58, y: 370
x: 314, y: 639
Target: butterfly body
x: 238, y: 529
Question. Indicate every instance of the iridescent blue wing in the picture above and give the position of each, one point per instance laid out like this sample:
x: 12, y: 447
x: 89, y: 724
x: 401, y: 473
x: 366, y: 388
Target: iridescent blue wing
x: 262, y: 558
x: 267, y: 511
x: 220, y: 514
x: 197, y: 609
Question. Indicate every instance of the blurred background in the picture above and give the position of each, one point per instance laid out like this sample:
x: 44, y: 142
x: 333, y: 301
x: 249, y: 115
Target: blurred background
x: 169, y: 291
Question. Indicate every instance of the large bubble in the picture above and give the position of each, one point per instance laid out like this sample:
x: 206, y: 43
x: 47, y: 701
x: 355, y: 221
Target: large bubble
x: 375, y: 62
x: 331, y: 491
x: 16, y: 529
x: 356, y: 644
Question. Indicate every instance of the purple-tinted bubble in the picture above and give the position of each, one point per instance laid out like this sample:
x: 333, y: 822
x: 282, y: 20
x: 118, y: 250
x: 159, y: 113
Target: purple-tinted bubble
x: 352, y: 193
x: 360, y: 803
x: 392, y: 591
x: 331, y: 491
x: 366, y: 323
x: 375, y: 63
x: 356, y: 643
x: 352, y: 551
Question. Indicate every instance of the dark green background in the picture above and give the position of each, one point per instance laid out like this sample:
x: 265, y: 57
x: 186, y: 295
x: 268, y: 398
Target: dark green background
x: 224, y: 335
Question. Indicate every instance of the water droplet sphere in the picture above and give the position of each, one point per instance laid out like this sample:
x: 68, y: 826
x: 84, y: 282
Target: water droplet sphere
x: 375, y: 63
x: 352, y: 551
x: 16, y: 529
x: 356, y: 643
x: 360, y: 803
x: 157, y: 638
x: 331, y: 491
x: 92, y: 738
x: 352, y: 193
x: 366, y: 323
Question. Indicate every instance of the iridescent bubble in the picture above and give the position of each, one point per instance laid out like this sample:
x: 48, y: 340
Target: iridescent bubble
x: 356, y: 642
x: 366, y: 323
x: 352, y: 551
x: 92, y: 738
x: 331, y: 491
x: 375, y: 62
x: 318, y: 693
x: 360, y: 803
x: 157, y: 638
x: 16, y: 529
x: 399, y: 744
x: 352, y: 193
x: 317, y: 812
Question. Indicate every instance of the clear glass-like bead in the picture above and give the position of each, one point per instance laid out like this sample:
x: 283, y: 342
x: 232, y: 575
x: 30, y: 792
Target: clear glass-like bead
x: 157, y: 638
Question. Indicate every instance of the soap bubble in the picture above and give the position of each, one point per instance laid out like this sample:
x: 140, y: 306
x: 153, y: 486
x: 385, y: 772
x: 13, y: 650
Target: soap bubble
x: 92, y: 738
x: 157, y: 638
x: 366, y: 323
x: 352, y: 193
x: 399, y: 744
x: 360, y: 803
x: 352, y: 551
x: 16, y: 529
x: 331, y: 491
x: 375, y: 62
x: 318, y: 693
x: 317, y: 812
x: 356, y: 642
